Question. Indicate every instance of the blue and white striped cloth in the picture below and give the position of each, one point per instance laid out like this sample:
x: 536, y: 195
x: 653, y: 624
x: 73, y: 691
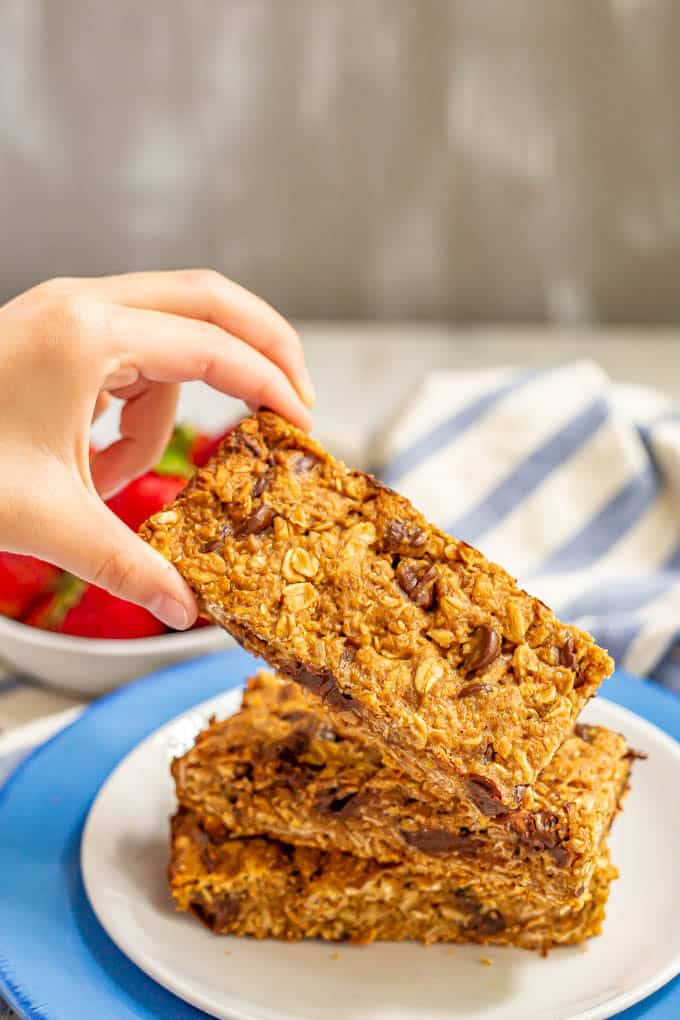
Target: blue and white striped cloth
x: 571, y: 483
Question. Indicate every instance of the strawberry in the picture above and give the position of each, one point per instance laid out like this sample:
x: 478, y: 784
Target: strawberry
x: 201, y: 622
x: 23, y: 579
x: 49, y: 611
x: 84, y: 610
x: 145, y: 496
x: 101, y: 615
x: 204, y: 447
x: 189, y: 449
x: 200, y: 442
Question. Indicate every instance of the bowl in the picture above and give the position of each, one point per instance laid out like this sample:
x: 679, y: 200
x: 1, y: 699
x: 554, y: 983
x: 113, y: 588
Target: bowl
x: 92, y: 666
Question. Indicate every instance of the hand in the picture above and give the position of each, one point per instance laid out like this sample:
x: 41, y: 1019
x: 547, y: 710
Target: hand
x: 69, y: 344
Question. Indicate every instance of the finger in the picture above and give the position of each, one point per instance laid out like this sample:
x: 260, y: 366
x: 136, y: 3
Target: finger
x: 172, y: 349
x: 146, y: 423
x: 207, y: 295
x: 115, y: 558
x: 102, y: 403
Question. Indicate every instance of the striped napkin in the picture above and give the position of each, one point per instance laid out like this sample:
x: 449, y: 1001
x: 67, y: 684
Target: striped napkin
x: 571, y: 483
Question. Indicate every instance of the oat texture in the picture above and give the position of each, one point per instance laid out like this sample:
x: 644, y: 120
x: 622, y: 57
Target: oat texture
x: 281, y: 767
x: 465, y: 682
x: 265, y: 888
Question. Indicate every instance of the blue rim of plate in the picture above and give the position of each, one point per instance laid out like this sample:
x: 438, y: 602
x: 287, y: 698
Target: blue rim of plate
x: 56, y: 961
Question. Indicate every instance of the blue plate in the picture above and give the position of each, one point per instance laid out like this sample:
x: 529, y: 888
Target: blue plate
x: 56, y: 961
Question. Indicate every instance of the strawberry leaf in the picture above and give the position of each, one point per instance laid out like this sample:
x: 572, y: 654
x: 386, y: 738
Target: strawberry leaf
x: 177, y: 457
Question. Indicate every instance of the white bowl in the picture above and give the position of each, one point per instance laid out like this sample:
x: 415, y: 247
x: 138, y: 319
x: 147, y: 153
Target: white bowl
x: 92, y: 666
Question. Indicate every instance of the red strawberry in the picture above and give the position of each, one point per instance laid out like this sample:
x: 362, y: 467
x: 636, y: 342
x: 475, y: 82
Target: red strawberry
x: 201, y: 622
x: 145, y: 496
x: 205, y: 447
x: 87, y: 611
x: 200, y: 442
x: 22, y: 580
x: 49, y: 611
x: 101, y: 615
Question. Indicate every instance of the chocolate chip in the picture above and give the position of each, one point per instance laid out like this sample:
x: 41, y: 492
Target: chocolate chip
x: 209, y: 859
x: 200, y: 837
x: 299, y: 774
x: 218, y: 542
x: 481, y: 922
x: 485, y: 795
x: 399, y: 537
x: 585, y: 732
x: 417, y: 581
x: 407, y: 576
x: 468, y: 690
x: 292, y: 748
x: 252, y: 445
x: 324, y: 685
x: 323, y: 730
x: 261, y: 484
x: 540, y: 831
x: 258, y: 521
x: 567, y: 654
x: 212, y: 547
x: 225, y: 910
x: 487, y: 648
x: 305, y: 463
x: 546, y: 824
x: 440, y: 841
x: 491, y: 922
x: 373, y: 486
x: 567, y: 658
x: 561, y: 856
x: 537, y: 831
x: 634, y: 755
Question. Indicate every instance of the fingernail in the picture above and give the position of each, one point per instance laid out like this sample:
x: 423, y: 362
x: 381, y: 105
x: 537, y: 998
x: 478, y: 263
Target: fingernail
x: 171, y: 612
x: 125, y: 375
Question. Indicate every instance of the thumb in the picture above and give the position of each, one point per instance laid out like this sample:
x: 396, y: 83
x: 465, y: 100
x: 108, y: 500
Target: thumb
x: 91, y: 542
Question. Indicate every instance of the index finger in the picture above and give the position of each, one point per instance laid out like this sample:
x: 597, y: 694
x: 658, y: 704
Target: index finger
x: 208, y: 295
x: 171, y: 349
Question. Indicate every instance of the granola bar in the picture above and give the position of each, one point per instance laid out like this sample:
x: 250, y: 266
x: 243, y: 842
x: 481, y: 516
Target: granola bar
x: 268, y: 889
x: 281, y: 767
x: 468, y: 683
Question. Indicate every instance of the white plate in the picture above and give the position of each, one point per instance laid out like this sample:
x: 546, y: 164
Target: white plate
x: 124, y: 856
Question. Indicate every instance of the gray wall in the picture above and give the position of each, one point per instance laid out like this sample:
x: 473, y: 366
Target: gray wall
x: 489, y: 159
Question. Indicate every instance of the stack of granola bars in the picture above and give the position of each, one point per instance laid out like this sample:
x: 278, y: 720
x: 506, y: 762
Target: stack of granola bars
x: 415, y: 769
